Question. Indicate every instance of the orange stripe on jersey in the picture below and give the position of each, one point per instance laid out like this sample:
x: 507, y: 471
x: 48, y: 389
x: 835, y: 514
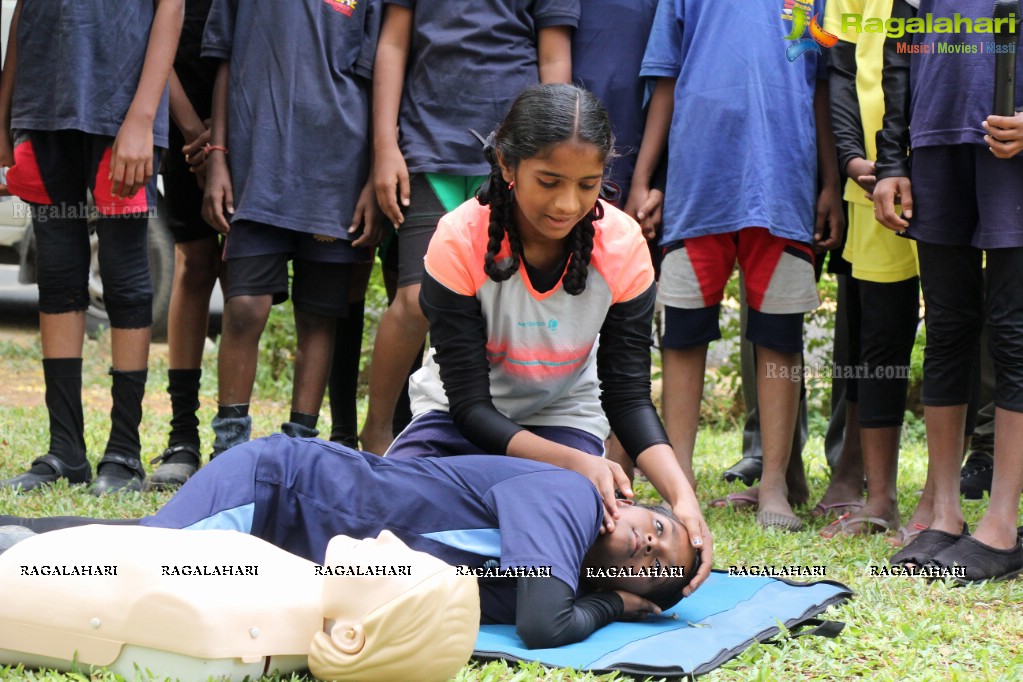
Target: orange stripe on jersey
x: 455, y: 255
x: 620, y: 255
x: 537, y: 363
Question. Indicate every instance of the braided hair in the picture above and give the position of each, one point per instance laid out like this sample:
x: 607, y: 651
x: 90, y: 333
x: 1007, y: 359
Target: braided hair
x: 541, y: 117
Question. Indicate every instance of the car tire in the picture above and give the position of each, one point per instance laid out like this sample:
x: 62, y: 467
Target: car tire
x: 161, y: 268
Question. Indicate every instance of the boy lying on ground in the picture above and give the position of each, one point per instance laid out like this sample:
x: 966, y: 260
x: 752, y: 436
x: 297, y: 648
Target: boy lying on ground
x: 530, y: 531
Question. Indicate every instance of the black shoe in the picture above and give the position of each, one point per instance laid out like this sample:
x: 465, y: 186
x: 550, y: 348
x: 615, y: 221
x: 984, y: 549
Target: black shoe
x: 173, y: 474
x: 978, y: 562
x: 109, y: 482
x: 12, y: 535
x: 975, y: 478
x: 747, y: 470
x: 80, y: 473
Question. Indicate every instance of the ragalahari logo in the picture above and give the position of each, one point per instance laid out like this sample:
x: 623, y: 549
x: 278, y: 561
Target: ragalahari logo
x: 799, y: 13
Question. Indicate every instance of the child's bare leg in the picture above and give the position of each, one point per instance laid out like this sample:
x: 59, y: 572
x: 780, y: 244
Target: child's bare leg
x: 129, y: 349
x: 315, y: 349
x: 63, y: 335
x: 682, y: 377
x: 402, y: 329
x: 244, y: 320
x: 846, y: 483
x: 880, y: 462
x: 998, y: 527
x: 196, y: 264
x: 778, y: 403
x: 945, y: 428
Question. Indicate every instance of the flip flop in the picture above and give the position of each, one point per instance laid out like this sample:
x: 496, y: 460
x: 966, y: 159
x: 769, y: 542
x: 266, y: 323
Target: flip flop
x: 740, y: 500
x: 868, y: 525
x: 780, y: 521
x: 824, y: 509
x: 928, y: 544
x: 906, y: 534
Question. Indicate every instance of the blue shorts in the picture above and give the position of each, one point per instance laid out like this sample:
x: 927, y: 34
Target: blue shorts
x: 434, y: 434
x: 965, y: 196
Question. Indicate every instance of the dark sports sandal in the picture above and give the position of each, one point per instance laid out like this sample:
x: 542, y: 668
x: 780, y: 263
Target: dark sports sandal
x: 979, y: 562
x: 747, y: 470
x: 109, y: 483
x: 975, y: 478
x: 170, y: 475
x: 926, y: 546
x: 81, y: 473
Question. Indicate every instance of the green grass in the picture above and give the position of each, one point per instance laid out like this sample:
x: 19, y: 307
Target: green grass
x: 897, y: 628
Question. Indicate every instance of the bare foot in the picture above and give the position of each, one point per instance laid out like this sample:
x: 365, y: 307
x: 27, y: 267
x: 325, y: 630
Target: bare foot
x: 749, y: 498
x: 867, y: 521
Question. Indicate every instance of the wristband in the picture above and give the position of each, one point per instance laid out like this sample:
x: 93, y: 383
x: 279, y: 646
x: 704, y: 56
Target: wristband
x: 214, y: 148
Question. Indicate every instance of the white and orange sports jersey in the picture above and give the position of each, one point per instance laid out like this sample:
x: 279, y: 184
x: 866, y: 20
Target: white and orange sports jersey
x: 541, y: 347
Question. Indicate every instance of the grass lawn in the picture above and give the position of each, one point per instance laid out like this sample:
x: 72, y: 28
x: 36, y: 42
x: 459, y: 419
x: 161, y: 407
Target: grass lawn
x: 897, y: 628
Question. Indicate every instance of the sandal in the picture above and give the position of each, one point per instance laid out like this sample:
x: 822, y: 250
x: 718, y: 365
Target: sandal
x: 868, y: 525
x: 824, y: 509
x: 740, y: 500
x: 173, y: 474
x: 906, y: 534
x: 978, y: 562
x: 780, y: 521
x: 928, y: 544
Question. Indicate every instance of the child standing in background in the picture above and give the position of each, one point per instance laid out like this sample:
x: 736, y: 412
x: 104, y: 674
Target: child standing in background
x: 442, y: 69
x: 86, y: 114
x: 288, y: 157
x: 960, y: 201
x: 196, y: 246
x: 742, y: 118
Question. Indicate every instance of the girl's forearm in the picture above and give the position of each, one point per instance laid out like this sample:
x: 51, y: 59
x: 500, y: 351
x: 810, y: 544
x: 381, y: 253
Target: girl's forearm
x: 156, y: 69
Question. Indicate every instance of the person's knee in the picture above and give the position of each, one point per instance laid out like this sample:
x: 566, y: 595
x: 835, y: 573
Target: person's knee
x: 407, y: 311
x: 196, y: 265
x: 246, y: 315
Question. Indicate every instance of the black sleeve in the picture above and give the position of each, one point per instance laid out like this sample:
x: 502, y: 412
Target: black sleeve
x: 547, y: 614
x: 623, y: 366
x: 458, y: 333
x: 893, y: 137
x: 845, y: 105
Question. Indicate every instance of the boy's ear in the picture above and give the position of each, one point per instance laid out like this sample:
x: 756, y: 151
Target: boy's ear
x: 624, y: 503
x: 506, y: 171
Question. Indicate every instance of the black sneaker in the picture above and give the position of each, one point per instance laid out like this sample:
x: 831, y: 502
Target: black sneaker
x: 975, y: 478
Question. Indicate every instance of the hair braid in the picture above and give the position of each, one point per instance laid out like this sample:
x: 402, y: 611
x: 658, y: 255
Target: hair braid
x: 581, y: 248
x: 501, y: 222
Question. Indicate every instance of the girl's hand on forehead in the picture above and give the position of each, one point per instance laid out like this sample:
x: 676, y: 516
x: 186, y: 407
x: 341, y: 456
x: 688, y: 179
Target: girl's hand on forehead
x: 700, y: 537
x: 606, y: 476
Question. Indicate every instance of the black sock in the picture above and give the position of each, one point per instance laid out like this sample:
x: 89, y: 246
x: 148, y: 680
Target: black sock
x: 303, y: 419
x: 63, y: 377
x: 233, y: 411
x: 183, y: 389
x: 127, y: 391
x: 344, y: 376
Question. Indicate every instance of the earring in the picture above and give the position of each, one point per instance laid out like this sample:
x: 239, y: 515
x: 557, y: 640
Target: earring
x: 511, y: 185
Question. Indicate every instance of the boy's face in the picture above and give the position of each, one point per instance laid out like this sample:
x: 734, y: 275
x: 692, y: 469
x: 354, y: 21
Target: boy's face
x: 642, y: 539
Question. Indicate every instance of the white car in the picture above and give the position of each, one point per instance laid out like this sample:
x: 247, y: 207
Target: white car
x: 17, y: 246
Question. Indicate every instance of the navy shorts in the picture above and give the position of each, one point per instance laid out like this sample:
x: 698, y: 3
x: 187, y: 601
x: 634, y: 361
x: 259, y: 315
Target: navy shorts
x: 965, y: 196
x: 434, y: 434
x: 183, y: 202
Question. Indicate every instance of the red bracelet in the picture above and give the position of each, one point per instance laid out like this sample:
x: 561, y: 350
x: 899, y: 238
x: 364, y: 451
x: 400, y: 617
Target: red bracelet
x: 214, y: 148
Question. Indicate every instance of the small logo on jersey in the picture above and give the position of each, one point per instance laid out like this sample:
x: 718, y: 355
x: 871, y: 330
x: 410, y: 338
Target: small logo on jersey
x: 345, y: 7
x: 799, y: 13
x: 552, y: 325
x: 325, y: 239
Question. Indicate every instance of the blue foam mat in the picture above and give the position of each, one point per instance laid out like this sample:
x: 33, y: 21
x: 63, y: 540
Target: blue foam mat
x: 724, y: 617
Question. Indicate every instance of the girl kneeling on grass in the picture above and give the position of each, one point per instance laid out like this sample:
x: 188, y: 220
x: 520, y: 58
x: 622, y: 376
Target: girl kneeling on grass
x: 519, y: 284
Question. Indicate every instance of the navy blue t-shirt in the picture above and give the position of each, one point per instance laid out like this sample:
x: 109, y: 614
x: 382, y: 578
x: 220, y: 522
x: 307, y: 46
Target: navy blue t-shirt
x: 463, y: 510
x: 79, y: 65
x: 607, y: 52
x: 467, y: 62
x: 952, y: 91
x: 298, y: 108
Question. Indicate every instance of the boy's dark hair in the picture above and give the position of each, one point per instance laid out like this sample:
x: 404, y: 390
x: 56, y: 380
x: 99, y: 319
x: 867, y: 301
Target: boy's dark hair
x: 671, y: 592
x: 541, y: 117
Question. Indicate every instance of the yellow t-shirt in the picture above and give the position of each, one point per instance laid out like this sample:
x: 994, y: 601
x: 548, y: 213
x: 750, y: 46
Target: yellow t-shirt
x: 877, y: 254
